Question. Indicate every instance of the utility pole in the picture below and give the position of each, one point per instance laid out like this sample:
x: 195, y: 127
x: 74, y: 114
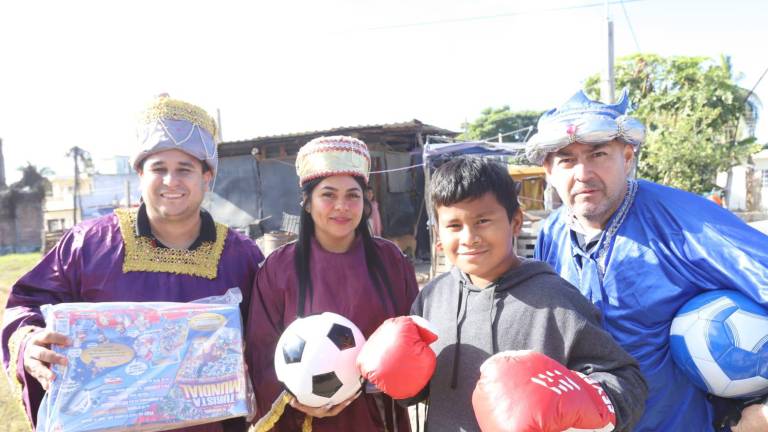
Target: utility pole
x: 2, y: 166
x: 127, y: 193
x: 77, y: 153
x: 76, y: 190
x: 218, y: 125
x: 609, y: 80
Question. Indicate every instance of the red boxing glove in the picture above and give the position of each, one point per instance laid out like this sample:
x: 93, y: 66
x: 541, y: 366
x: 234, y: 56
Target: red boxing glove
x: 526, y: 391
x: 397, y: 358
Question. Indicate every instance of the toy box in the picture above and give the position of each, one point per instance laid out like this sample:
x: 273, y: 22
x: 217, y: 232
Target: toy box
x: 146, y: 366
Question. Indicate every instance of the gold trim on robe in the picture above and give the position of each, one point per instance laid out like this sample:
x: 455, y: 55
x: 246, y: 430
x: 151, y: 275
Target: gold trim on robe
x: 14, y: 346
x: 141, y: 255
x: 267, y: 422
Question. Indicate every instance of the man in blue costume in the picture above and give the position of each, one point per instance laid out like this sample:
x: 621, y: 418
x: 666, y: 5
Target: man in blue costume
x: 640, y: 250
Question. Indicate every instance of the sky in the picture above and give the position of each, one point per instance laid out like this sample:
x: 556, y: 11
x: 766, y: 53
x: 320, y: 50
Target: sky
x: 76, y: 73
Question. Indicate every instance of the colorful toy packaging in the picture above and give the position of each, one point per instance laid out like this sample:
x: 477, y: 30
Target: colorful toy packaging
x: 147, y: 366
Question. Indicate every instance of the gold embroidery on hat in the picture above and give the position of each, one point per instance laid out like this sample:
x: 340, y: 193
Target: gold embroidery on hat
x: 328, y: 163
x: 141, y: 255
x: 164, y: 108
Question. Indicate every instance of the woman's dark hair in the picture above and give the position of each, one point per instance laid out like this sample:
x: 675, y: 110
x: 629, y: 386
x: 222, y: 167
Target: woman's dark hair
x: 470, y: 177
x: 376, y: 270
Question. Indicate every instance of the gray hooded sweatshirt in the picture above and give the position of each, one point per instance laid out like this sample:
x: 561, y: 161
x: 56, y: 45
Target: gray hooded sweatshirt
x: 529, y: 307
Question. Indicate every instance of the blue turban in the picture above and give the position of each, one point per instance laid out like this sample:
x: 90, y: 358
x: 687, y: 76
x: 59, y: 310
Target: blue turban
x: 585, y: 121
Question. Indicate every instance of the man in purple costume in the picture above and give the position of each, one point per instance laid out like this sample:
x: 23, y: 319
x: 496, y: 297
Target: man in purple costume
x: 169, y: 249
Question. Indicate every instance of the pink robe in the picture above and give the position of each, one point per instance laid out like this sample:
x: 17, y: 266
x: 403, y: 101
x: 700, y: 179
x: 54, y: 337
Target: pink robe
x: 341, y: 284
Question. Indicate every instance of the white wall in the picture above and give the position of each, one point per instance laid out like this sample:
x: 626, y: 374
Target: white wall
x: 736, y: 197
x: 109, y: 191
x: 761, y: 163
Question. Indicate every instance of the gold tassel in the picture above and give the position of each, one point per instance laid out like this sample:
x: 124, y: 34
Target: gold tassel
x: 268, y: 421
x: 14, y: 346
x: 307, y: 425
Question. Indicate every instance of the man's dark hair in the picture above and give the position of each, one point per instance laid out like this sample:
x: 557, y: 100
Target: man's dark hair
x: 203, y: 163
x: 467, y: 178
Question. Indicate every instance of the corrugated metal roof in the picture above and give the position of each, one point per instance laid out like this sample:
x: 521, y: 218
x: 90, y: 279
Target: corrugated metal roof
x: 412, y: 124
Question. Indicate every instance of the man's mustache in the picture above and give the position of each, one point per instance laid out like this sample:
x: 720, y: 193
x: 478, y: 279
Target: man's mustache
x: 583, y: 187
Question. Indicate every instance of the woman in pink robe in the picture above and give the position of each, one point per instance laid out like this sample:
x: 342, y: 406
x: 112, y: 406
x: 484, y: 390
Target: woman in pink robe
x: 334, y: 266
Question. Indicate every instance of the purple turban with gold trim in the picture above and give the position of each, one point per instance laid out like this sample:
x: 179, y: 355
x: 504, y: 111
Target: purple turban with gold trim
x: 172, y: 124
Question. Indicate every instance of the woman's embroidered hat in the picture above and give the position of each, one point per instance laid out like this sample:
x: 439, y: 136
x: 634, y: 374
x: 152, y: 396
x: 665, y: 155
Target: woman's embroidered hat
x: 585, y: 121
x: 169, y: 124
x: 333, y: 155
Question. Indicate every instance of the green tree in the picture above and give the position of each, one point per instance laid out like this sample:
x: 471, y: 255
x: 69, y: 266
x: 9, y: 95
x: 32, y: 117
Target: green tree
x: 32, y: 185
x: 33, y: 179
x: 494, y: 121
x: 698, y: 121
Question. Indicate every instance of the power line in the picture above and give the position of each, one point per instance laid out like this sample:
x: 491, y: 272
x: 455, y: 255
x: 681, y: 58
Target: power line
x: 629, y: 24
x: 752, y: 90
x: 496, y: 16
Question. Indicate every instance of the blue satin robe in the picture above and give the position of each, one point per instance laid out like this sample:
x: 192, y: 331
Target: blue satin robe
x: 672, y: 246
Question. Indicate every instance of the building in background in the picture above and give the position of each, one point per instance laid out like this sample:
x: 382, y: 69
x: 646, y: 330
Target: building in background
x: 760, y: 160
x: 746, y: 187
x: 61, y: 207
x: 257, y: 183
x: 113, y: 184
x: 21, y: 210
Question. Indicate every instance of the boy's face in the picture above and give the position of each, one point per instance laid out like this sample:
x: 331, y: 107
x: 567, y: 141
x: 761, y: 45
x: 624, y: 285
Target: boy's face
x: 478, y: 237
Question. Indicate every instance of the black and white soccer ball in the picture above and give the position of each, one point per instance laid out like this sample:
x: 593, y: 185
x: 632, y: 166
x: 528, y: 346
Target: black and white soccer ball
x: 315, y: 359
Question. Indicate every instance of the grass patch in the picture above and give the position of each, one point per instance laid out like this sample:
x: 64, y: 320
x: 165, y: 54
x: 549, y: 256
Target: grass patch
x: 11, y: 268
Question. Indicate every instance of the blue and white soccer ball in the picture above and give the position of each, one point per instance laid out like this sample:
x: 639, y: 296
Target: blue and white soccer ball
x: 720, y: 340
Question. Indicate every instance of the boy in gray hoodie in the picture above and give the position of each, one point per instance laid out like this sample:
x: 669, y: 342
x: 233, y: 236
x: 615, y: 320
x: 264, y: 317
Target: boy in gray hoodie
x: 494, y: 301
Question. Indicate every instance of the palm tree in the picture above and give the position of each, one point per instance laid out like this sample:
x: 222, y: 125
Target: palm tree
x: 31, y: 187
x: 33, y: 179
x: 79, y: 155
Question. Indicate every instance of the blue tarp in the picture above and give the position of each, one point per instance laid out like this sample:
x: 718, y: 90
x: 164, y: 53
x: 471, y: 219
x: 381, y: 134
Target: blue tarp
x: 436, y: 150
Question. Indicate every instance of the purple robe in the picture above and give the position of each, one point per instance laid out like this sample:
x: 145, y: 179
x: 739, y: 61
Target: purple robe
x: 87, y: 266
x: 341, y: 284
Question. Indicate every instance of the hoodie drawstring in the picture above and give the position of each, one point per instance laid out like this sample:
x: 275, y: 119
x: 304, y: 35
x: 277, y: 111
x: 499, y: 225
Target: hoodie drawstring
x: 491, y: 317
x: 461, y: 307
